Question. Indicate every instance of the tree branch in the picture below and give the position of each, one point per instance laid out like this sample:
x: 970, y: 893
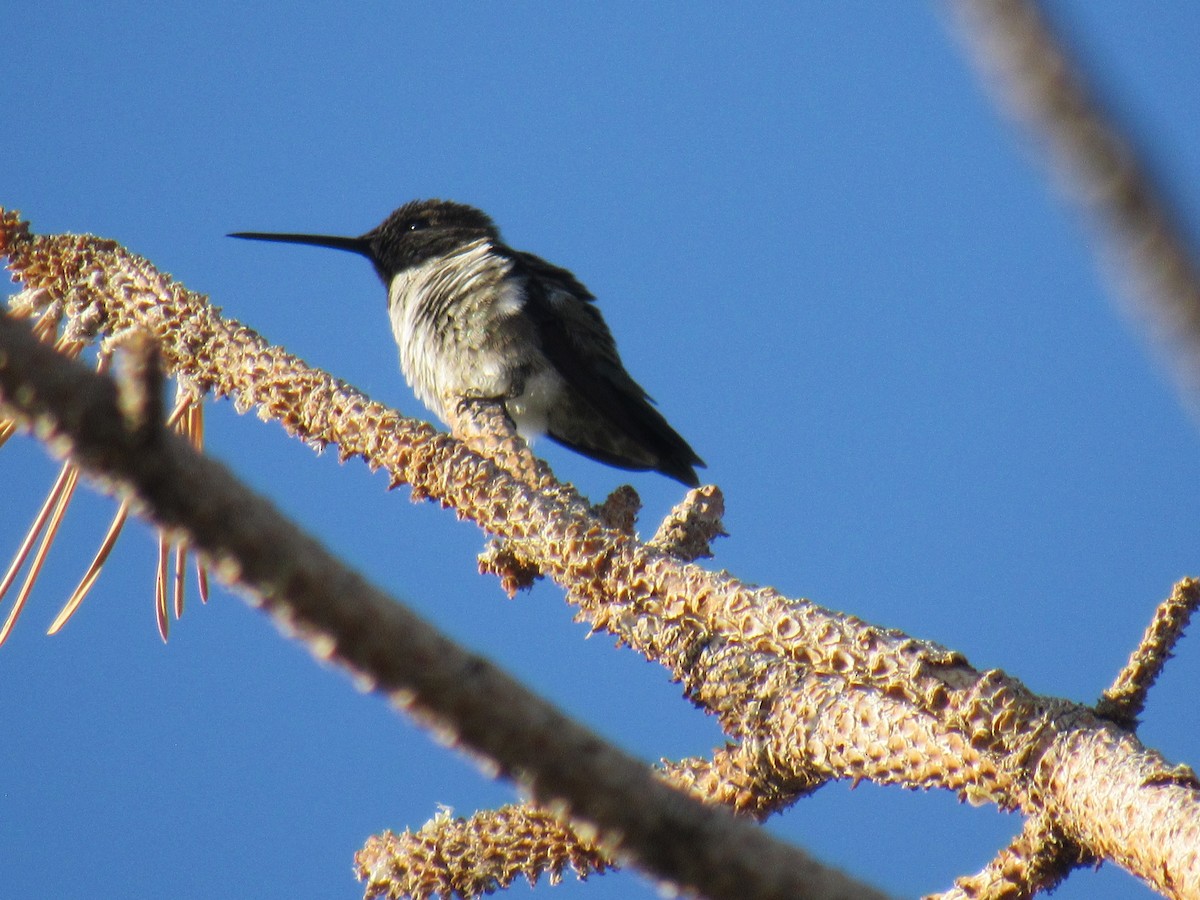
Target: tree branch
x: 810, y: 694
x: 1125, y: 700
x: 1034, y: 77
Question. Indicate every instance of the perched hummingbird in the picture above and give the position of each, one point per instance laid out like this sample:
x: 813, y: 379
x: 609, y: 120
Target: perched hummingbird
x: 478, y: 320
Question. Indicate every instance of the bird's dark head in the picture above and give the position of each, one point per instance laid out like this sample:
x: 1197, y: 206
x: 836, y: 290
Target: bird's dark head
x: 423, y: 229
x: 417, y: 231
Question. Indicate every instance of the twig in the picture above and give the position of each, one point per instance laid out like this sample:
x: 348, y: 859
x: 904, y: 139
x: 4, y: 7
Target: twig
x: 468, y: 857
x: 690, y: 528
x: 1038, y: 859
x: 1124, y: 701
x: 1035, y: 77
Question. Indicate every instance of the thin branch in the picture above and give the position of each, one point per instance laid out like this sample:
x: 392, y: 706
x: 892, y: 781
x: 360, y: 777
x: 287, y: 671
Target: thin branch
x: 690, y: 528
x: 744, y: 778
x: 468, y: 857
x: 1124, y: 701
x: 1035, y: 77
x: 489, y: 849
x: 1038, y: 859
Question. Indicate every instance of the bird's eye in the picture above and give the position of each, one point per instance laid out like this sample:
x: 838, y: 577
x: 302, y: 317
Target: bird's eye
x: 418, y: 225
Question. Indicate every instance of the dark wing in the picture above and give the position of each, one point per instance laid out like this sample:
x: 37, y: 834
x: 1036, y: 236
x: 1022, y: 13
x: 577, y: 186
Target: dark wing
x: 609, y: 416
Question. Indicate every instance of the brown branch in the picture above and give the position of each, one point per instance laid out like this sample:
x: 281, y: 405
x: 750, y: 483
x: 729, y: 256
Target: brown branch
x: 485, y: 427
x: 744, y: 778
x: 342, y: 618
x: 457, y: 857
x: 1034, y: 76
x: 1124, y: 701
x: 816, y: 694
x: 690, y: 528
x: 1042, y: 856
x: 491, y: 848
x: 1038, y: 859
x: 620, y: 509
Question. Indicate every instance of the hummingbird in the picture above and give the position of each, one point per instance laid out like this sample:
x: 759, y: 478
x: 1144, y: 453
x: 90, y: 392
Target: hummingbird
x: 476, y: 320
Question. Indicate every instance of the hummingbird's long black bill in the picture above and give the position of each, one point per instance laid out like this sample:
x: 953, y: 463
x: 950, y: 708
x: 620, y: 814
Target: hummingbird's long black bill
x: 353, y: 244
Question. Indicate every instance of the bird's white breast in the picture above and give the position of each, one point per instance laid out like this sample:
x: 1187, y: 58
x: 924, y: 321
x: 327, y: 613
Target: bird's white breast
x: 444, y: 315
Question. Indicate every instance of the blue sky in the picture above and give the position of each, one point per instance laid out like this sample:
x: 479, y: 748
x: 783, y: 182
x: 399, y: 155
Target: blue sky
x: 841, y: 273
